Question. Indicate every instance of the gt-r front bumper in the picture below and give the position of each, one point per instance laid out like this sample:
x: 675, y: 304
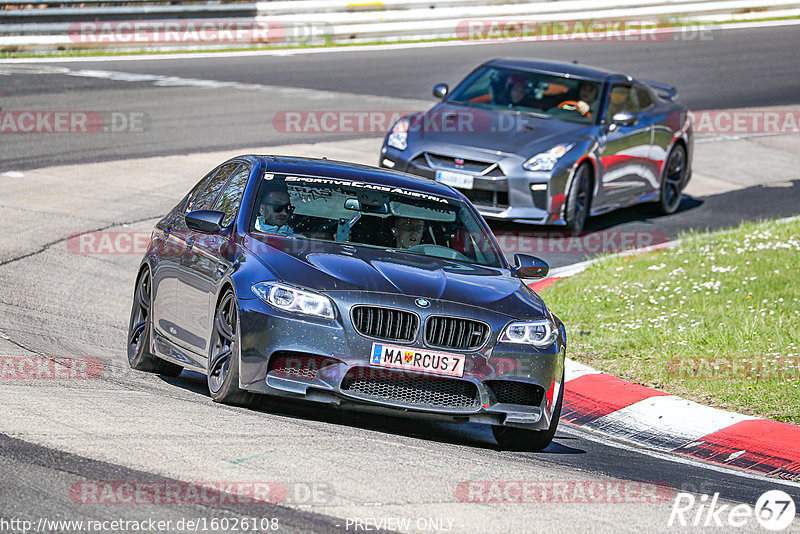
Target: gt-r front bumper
x: 508, y: 192
x: 328, y: 361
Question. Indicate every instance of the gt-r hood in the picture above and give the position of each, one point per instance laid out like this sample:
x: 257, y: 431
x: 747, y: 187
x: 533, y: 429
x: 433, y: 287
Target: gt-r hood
x: 489, y: 130
x: 332, y: 267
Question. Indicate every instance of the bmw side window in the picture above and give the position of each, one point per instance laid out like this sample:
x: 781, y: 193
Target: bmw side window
x: 645, y: 100
x: 191, y: 198
x: 231, y: 197
x: 206, y: 199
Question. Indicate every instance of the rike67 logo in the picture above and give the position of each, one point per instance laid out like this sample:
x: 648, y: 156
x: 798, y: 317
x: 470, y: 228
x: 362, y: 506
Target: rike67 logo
x: 774, y: 510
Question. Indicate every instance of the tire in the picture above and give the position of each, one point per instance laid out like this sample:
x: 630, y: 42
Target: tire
x: 673, y: 181
x: 579, y: 199
x: 140, y: 330
x: 223, y: 358
x: 520, y: 439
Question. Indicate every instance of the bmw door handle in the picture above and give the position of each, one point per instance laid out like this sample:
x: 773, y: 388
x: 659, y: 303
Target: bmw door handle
x: 189, y: 244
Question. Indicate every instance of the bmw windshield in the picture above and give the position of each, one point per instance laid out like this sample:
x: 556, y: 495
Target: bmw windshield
x: 535, y: 93
x: 371, y: 215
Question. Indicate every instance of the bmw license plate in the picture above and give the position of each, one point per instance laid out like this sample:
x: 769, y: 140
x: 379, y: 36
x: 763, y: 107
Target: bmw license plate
x: 455, y: 179
x: 414, y: 359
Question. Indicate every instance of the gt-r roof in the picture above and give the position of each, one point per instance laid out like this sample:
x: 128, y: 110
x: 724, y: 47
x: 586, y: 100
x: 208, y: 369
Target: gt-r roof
x: 557, y: 67
x: 353, y: 171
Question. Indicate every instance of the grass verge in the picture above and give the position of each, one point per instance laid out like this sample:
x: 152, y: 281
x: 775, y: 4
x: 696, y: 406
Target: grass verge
x: 715, y: 320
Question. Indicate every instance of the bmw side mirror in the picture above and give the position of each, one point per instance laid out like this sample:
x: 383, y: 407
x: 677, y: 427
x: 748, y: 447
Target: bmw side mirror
x: 208, y: 221
x: 440, y: 90
x: 624, y: 118
x: 530, y: 266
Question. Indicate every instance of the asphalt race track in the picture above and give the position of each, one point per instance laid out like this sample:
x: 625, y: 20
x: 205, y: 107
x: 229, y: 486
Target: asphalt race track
x: 730, y: 69
x: 329, y: 471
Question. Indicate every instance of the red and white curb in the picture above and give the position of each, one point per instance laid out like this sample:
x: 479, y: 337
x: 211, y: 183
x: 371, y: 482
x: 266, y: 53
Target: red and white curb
x: 615, y: 407
x: 609, y: 405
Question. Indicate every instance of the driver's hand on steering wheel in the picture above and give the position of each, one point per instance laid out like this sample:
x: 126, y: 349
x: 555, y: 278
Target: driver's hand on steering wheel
x: 583, y: 107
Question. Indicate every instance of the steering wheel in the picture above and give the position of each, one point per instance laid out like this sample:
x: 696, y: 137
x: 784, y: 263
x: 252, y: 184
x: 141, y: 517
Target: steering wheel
x: 439, y: 251
x: 572, y: 105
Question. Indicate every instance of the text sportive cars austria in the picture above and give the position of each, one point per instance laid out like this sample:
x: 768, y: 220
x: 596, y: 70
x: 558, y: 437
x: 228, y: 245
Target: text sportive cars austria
x: 549, y: 143
x: 349, y: 286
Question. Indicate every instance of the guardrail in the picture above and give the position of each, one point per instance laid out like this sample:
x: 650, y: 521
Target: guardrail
x: 146, y: 24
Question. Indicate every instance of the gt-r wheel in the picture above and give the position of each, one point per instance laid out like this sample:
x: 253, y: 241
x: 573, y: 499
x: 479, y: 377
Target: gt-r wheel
x: 139, y: 331
x: 223, y: 361
x: 579, y: 199
x: 520, y: 439
x: 673, y: 180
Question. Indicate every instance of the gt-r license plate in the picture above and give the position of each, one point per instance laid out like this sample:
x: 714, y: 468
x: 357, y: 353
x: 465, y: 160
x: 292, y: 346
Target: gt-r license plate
x: 413, y: 359
x: 455, y: 179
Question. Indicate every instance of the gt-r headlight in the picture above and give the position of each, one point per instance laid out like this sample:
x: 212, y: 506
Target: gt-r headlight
x: 546, y: 161
x: 294, y: 300
x: 398, y: 138
x: 541, y: 333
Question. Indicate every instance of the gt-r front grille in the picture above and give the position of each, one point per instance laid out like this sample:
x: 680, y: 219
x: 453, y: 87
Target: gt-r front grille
x: 511, y: 392
x: 483, y: 168
x: 455, y: 333
x: 411, y: 390
x: 385, y: 323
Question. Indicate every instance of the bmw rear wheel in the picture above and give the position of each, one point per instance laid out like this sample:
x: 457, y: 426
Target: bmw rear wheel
x: 140, y: 329
x: 223, y: 361
x: 673, y: 180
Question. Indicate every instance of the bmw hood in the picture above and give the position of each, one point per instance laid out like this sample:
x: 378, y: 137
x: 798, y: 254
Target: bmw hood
x: 330, y: 267
x: 491, y: 130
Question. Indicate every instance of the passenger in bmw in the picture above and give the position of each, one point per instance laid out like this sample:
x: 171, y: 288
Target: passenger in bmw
x: 408, y: 232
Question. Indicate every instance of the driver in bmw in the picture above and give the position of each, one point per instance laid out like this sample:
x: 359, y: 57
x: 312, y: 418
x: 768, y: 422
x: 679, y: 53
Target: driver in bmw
x: 274, y: 212
x: 408, y: 232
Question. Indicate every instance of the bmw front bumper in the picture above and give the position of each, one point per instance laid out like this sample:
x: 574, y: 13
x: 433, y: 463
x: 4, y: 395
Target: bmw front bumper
x: 328, y: 361
x: 506, y: 192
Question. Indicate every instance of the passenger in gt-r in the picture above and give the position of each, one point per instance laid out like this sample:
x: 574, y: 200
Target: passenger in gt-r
x: 274, y: 212
x: 407, y: 232
x: 619, y: 100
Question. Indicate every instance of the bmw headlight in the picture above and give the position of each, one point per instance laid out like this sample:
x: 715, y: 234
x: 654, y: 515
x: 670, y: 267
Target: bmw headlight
x: 398, y: 138
x: 541, y: 333
x: 546, y: 161
x: 294, y: 300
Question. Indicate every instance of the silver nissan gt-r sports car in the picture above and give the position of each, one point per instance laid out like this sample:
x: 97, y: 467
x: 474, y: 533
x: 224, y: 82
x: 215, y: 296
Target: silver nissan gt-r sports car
x: 549, y: 143
x: 350, y: 286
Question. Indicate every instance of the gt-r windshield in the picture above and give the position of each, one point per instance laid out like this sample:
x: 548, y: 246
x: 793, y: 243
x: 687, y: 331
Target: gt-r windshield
x: 535, y: 93
x: 371, y: 215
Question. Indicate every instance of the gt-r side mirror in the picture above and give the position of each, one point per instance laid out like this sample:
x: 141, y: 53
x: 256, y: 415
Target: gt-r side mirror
x: 530, y: 266
x: 440, y: 90
x: 208, y: 221
x: 624, y: 118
